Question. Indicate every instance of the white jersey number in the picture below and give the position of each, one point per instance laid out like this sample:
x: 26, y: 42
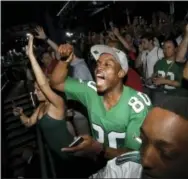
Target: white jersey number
x: 138, y: 105
x: 170, y: 75
x: 112, y: 136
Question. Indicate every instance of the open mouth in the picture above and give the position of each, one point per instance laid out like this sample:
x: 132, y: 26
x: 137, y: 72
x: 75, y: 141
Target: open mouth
x: 100, y: 79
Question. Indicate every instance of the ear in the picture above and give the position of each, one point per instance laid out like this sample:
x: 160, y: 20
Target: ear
x: 121, y: 73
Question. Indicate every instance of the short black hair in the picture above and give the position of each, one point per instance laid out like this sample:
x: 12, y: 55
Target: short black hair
x: 173, y: 42
x: 148, y: 36
x: 177, y: 105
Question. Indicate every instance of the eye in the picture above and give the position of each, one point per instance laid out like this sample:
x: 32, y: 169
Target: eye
x: 168, y: 155
x: 107, y: 64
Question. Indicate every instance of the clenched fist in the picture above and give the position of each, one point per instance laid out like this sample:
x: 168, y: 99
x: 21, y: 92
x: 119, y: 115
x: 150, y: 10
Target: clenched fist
x: 66, y: 52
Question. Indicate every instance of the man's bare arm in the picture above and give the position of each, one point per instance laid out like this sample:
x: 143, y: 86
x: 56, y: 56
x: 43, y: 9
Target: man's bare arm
x: 42, y: 35
x: 185, y: 71
x: 183, y: 48
x: 60, y: 72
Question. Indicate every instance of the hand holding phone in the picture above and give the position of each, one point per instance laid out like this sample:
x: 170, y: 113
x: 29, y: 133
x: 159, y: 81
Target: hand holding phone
x: 76, y: 142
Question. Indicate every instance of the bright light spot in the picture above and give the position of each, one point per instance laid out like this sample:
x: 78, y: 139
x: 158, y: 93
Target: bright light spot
x: 69, y: 34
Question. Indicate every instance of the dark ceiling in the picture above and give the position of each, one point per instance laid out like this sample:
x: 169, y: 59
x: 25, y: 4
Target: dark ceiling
x: 79, y: 13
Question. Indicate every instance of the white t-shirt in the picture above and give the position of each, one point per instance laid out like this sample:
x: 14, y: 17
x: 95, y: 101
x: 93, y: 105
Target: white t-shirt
x: 149, y: 59
x: 123, y: 166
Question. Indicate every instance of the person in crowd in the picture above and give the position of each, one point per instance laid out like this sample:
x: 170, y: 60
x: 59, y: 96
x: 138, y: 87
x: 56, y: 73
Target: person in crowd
x: 51, y: 117
x: 149, y: 54
x: 127, y: 43
x: 50, y: 114
x: 167, y: 73
x: 48, y: 63
x: 163, y: 152
x: 112, y: 133
x: 79, y: 67
x: 78, y: 70
x: 132, y: 78
x: 182, y: 53
x: 182, y: 57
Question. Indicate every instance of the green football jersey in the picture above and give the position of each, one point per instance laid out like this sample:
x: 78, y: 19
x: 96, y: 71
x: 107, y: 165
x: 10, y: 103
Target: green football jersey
x: 171, y: 71
x: 116, y: 127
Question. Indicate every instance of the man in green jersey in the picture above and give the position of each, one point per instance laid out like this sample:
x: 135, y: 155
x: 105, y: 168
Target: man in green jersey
x: 168, y: 74
x: 116, y: 112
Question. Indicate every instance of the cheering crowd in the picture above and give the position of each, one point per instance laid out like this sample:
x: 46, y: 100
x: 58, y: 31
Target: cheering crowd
x: 98, y: 92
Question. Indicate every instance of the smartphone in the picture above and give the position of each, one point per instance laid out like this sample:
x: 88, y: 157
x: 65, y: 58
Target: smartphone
x: 76, y: 142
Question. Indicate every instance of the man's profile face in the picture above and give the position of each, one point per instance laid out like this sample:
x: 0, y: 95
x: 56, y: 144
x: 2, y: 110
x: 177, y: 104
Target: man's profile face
x: 164, y: 150
x: 107, y: 73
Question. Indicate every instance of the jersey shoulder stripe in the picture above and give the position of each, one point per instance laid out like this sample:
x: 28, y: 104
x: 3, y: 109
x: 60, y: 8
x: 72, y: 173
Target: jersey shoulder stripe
x: 128, y: 157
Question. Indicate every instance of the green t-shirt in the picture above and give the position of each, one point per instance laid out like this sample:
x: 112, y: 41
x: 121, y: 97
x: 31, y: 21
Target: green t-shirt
x: 116, y: 127
x: 171, y: 71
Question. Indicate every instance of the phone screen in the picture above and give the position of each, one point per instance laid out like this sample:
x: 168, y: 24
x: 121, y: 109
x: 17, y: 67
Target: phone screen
x: 76, y: 142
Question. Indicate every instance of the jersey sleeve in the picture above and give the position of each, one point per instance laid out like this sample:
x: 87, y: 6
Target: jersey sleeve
x: 125, y: 169
x: 79, y: 90
x: 141, y: 105
x: 156, y: 67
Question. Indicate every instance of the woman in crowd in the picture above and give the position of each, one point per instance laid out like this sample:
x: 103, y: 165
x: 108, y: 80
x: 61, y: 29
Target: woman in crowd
x: 50, y: 116
x: 50, y: 113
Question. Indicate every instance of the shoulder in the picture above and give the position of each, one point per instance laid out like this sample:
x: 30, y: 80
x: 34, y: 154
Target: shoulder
x: 160, y: 51
x: 160, y: 61
x: 128, y: 157
x: 124, y: 166
x: 74, y: 83
x: 137, y: 94
x: 138, y: 101
x: 81, y: 66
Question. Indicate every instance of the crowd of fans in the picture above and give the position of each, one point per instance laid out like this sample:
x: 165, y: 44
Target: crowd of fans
x: 113, y: 75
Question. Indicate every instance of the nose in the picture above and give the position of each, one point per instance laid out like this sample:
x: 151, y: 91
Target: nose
x: 149, y: 158
x: 99, y: 67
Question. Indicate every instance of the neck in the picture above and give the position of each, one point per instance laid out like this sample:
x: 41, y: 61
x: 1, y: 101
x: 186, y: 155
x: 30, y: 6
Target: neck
x: 112, y: 97
x: 151, y: 47
x: 171, y: 58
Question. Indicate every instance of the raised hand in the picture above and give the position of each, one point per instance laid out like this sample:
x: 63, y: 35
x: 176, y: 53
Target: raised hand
x: 116, y: 31
x: 17, y: 111
x: 29, y: 47
x: 111, y: 35
x: 41, y: 34
x: 186, y: 30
